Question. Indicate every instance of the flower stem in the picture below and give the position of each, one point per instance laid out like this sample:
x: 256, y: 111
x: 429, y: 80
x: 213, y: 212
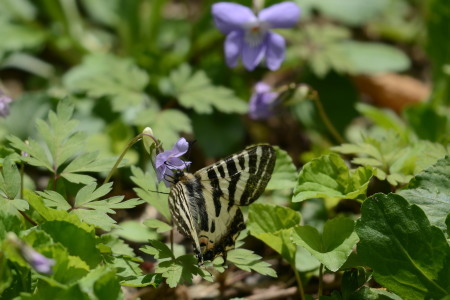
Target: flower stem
x: 130, y: 144
x: 319, y: 293
x: 258, y: 5
x: 325, y: 119
x: 301, y: 292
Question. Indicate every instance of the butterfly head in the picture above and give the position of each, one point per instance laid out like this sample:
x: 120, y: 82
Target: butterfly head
x: 178, y: 175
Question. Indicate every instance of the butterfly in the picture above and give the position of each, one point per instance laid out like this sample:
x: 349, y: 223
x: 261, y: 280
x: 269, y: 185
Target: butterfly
x: 205, y: 205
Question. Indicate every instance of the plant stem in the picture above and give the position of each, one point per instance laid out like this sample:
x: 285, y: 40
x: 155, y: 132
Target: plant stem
x: 28, y: 218
x: 319, y: 293
x: 325, y: 119
x: 130, y: 144
x: 171, y: 239
x: 301, y: 292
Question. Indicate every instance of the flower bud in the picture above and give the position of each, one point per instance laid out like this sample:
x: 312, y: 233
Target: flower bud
x: 148, y: 141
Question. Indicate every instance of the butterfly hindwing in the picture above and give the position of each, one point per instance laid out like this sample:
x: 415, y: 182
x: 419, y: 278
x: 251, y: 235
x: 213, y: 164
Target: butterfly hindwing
x: 205, y: 205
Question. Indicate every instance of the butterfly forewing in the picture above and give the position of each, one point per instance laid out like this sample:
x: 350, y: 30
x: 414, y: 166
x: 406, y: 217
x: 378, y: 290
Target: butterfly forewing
x: 205, y: 205
x: 240, y: 178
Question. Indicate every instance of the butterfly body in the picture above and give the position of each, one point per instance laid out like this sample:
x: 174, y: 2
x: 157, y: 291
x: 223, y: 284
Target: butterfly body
x: 205, y: 205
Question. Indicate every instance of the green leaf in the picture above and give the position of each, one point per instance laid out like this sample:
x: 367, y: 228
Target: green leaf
x: 158, y: 249
x: 144, y: 280
x: 247, y: 260
x: 50, y: 214
x: 101, y: 283
x: 86, y: 162
x: 160, y: 226
x: 393, y: 158
x: 428, y: 122
x: 350, y: 12
x: 10, y: 178
x: 353, y: 279
x: 134, y: 231
x: 194, y: 90
x: 146, y: 183
x: 54, y: 199
x: 284, y: 174
x: 180, y: 270
x: 19, y: 204
x: 373, y: 294
x: 90, y: 193
x: 329, y: 177
x: 408, y: 255
x: 121, y: 256
x: 19, y: 37
x: 106, y: 75
x: 10, y: 223
x: 305, y: 261
x: 87, y: 206
x: 369, y: 58
x: 331, y: 248
x: 38, y: 156
x: 46, y: 287
x: 68, y: 269
x: 384, y: 118
x: 78, y: 178
x: 96, y: 218
x: 59, y: 134
x: 430, y: 190
x: 77, y: 241
x: 273, y: 225
x: 63, y: 147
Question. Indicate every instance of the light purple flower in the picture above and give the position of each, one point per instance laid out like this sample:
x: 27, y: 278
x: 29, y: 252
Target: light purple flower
x: 249, y: 36
x: 4, y: 104
x: 38, y: 261
x: 263, y: 102
x: 170, y: 160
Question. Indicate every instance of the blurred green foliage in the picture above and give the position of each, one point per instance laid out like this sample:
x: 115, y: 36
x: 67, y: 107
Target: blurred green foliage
x: 89, y: 76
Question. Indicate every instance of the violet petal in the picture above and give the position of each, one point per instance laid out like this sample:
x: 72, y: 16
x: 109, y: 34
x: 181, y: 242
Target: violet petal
x: 275, y: 51
x: 229, y: 17
x: 175, y: 163
x: 180, y: 148
x: 233, y: 47
x: 252, y: 56
x: 261, y: 87
x: 162, y: 157
x: 281, y: 15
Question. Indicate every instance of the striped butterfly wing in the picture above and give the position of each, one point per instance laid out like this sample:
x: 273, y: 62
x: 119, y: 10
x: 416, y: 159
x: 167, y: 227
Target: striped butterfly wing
x: 240, y: 178
x: 237, y: 180
x: 205, y: 205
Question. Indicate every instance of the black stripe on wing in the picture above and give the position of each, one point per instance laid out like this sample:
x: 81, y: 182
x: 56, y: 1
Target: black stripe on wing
x: 240, y: 178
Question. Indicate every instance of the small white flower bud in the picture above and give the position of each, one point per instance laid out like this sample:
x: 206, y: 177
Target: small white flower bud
x: 148, y: 141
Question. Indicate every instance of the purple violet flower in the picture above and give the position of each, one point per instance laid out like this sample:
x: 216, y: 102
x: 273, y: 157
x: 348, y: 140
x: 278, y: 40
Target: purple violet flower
x: 263, y: 102
x: 170, y: 160
x: 38, y: 261
x: 4, y: 104
x: 249, y: 36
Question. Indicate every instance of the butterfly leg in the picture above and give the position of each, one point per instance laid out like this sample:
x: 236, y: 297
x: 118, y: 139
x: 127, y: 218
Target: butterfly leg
x: 199, y: 256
